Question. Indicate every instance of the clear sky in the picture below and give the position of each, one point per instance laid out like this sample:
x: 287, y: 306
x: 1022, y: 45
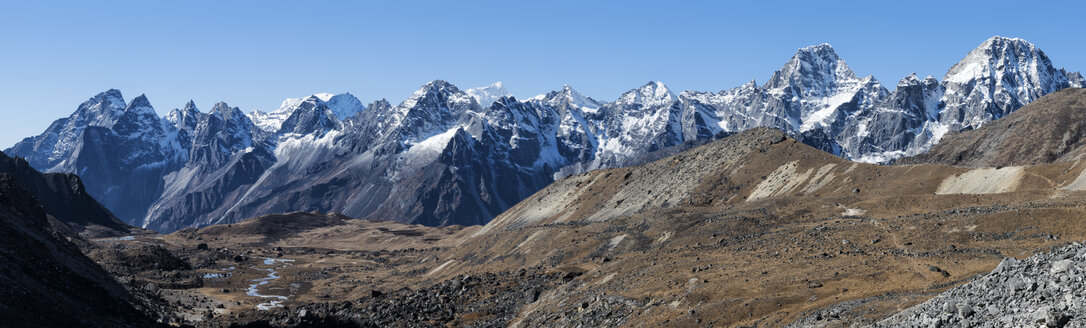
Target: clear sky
x: 55, y: 55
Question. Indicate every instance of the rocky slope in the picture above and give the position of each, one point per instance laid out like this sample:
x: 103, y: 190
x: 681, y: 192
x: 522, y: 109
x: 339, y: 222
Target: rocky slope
x: 1043, y: 290
x: 452, y: 156
x: 64, y: 197
x: 1048, y: 130
x: 46, y: 280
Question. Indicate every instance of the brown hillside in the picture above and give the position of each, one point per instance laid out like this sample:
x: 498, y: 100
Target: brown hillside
x: 1048, y: 130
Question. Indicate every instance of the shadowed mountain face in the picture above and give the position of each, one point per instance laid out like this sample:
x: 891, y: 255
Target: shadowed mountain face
x: 45, y: 281
x: 1051, y: 129
x: 449, y: 156
x: 63, y: 196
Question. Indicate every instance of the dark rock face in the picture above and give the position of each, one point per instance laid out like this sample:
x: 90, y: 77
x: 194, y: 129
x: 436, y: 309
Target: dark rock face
x: 64, y: 197
x: 47, y: 282
x: 895, y: 122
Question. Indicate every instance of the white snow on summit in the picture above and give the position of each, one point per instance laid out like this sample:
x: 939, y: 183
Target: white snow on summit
x: 489, y: 94
x: 342, y: 105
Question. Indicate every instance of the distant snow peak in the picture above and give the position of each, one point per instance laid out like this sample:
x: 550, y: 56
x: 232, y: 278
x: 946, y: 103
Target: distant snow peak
x: 324, y: 96
x: 487, y: 95
x: 342, y: 106
x: 139, y: 103
x: 220, y: 107
x: 438, y: 93
x: 651, y: 94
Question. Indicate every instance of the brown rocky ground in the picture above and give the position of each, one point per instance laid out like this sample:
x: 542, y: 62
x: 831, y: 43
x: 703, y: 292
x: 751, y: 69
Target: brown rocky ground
x: 753, y: 230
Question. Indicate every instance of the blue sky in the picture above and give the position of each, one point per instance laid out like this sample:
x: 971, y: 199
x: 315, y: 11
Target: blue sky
x: 55, y: 55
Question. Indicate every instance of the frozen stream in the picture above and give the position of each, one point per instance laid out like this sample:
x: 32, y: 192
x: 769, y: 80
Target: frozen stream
x: 277, y: 299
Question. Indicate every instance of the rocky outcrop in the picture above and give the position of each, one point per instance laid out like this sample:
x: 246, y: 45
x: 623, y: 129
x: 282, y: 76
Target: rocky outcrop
x: 63, y: 196
x: 1044, y: 290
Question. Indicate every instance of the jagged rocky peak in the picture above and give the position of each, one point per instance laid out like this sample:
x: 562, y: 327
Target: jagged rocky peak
x: 140, y: 119
x: 440, y: 92
x: 913, y: 79
x: 569, y: 98
x: 996, y: 78
x: 61, y: 138
x: 112, y: 97
x: 230, y: 114
x: 380, y: 105
x: 651, y: 94
x: 1006, y: 56
x: 752, y: 85
x: 814, y: 69
x: 1074, y: 79
x: 487, y: 95
x: 312, y: 115
x: 220, y: 108
x: 433, y: 107
x: 226, y: 127
x: 141, y: 104
x: 918, y: 96
x: 272, y: 122
x: 185, y: 118
x: 101, y: 110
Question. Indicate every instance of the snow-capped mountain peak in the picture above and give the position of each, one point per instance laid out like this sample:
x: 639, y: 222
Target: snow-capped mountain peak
x: 100, y: 110
x: 140, y: 121
x: 140, y: 104
x: 651, y: 94
x: 986, y: 57
x: 437, y: 90
x: 344, y: 105
x: 486, y: 95
x: 185, y: 118
x: 816, y: 70
x: 324, y: 96
x: 999, y: 76
x: 569, y: 98
x: 910, y: 79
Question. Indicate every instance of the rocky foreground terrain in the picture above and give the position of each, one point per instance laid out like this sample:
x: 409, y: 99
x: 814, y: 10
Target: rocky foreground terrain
x: 1042, y: 290
x: 45, y: 281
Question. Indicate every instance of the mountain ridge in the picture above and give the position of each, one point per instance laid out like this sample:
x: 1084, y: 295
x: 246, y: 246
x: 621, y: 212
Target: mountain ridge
x: 442, y: 148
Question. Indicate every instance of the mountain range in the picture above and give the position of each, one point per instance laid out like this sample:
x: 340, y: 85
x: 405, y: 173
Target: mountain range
x: 449, y: 156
